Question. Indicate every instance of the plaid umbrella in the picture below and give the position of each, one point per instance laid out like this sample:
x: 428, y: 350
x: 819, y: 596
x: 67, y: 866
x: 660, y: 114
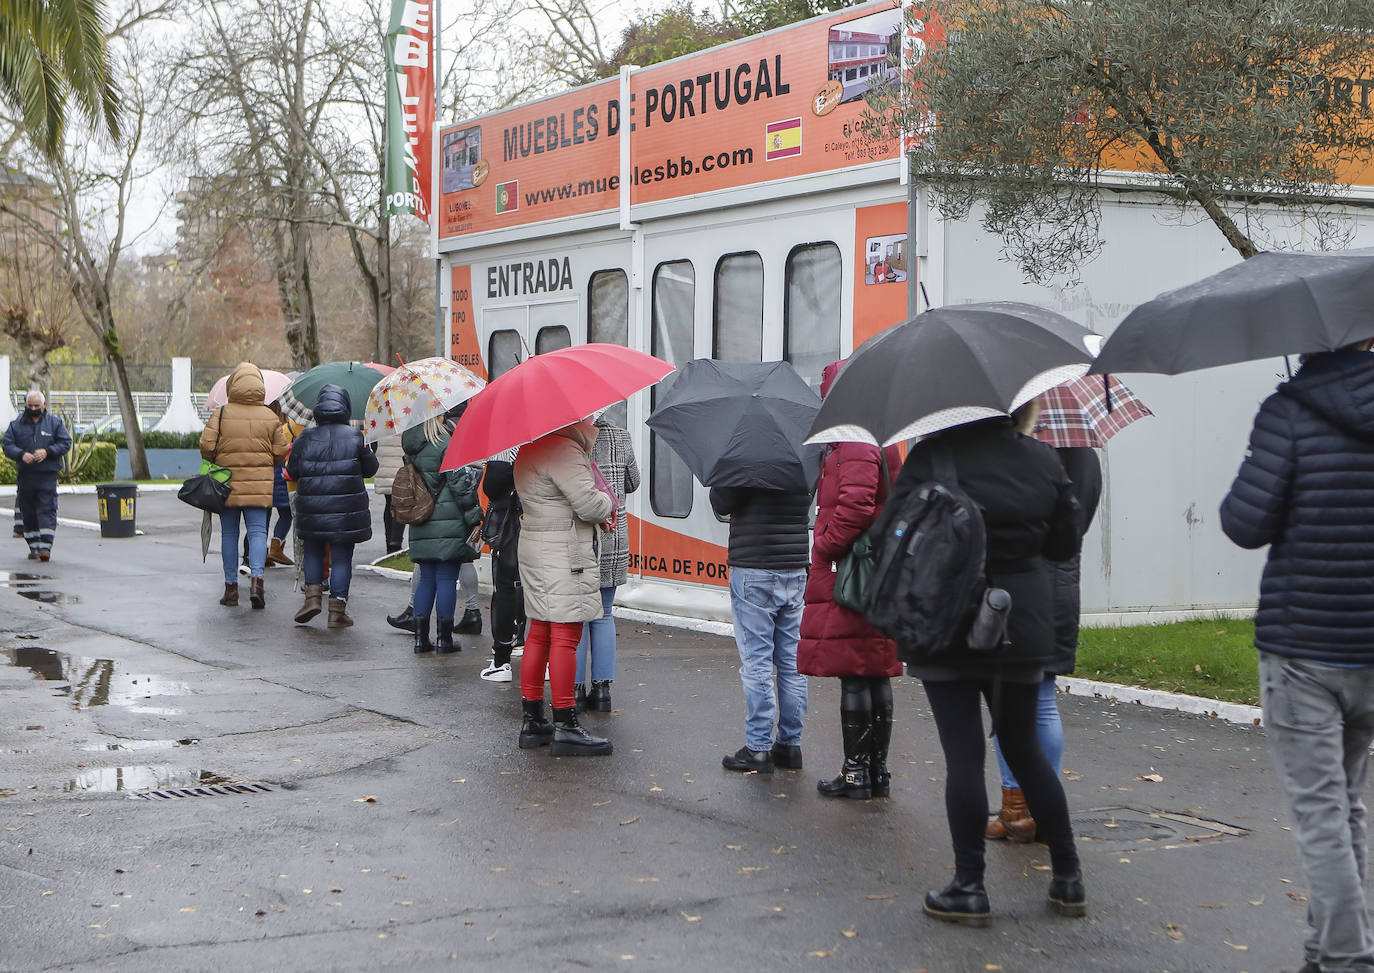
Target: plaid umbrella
x: 1087, y: 411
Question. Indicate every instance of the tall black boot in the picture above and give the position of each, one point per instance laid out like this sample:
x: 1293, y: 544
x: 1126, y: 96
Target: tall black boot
x: 445, y: 643
x: 422, y: 642
x: 535, y: 730
x: 853, y: 781
x: 571, y: 740
x: 880, y: 781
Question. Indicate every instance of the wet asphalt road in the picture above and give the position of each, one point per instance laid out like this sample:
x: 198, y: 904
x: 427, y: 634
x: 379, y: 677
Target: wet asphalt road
x: 400, y: 828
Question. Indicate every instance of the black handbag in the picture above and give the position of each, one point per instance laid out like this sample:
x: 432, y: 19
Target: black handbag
x: 207, y: 490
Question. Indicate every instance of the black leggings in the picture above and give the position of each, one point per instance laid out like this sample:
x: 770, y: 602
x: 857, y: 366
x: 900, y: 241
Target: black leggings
x: 862, y: 694
x: 959, y: 719
x: 507, y: 605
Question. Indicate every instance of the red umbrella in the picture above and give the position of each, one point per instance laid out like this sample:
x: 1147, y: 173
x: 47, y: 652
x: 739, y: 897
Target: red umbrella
x: 545, y: 393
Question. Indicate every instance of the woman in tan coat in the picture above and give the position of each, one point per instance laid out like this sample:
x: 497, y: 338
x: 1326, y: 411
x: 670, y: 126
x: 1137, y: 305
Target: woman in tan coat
x: 560, y: 570
x: 249, y: 439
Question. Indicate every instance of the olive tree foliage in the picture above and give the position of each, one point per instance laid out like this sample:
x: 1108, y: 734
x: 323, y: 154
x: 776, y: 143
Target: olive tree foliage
x: 1229, y: 108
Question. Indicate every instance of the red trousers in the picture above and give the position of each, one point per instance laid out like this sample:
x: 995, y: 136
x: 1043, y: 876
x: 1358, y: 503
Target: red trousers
x: 551, y: 646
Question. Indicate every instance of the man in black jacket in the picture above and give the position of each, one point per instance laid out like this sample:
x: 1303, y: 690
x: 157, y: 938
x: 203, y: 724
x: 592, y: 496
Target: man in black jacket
x: 35, y: 442
x: 1304, y: 489
x: 768, y: 557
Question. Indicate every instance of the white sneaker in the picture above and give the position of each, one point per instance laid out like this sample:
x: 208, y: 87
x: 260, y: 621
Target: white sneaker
x: 243, y: 570
x: 495, y: 673
x: 517, y: 652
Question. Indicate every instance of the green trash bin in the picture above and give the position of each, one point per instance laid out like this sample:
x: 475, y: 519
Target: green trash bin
x: 116, y: 508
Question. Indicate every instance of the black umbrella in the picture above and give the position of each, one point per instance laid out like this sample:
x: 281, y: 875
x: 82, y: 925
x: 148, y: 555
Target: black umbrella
x: 1270, y: 305
x: 741, y: 424
x: 950, y: 366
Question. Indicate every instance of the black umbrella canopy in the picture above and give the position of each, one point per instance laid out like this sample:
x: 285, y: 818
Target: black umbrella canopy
x: 950, y: 366
x: 1270, y: 305
x: 741, y: 424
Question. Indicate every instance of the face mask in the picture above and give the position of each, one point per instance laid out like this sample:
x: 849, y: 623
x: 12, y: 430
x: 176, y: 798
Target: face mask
x: 33, y: 413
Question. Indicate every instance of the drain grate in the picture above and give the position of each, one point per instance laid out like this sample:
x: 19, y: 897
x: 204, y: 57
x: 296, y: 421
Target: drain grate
x: 1144, y: 827
x: 213, y: 790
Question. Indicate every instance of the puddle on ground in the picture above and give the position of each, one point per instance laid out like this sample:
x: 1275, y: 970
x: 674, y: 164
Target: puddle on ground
x: 110, y: 780
x: 142, y: 745
x: 34, y: 588
x: 96, y: 682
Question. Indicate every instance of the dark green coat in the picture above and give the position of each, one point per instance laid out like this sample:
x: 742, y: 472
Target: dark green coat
x: 456, y: 509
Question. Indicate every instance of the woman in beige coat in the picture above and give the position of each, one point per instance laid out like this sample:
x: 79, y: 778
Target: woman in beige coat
x: 249, y: 439
x: 560, y: 570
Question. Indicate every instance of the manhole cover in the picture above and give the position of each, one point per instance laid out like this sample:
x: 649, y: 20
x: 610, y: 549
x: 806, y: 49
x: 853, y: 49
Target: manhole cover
x: 1168, y: 829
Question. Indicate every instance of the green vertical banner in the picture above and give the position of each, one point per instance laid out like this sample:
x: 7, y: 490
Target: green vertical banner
x: 409, y: 107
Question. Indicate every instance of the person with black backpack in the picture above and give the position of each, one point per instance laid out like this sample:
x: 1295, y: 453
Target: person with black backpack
x: 1028, y: 518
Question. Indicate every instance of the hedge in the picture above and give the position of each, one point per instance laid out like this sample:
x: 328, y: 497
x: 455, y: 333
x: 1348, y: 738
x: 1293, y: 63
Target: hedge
x: 155, y: 440
x: 100, y: 468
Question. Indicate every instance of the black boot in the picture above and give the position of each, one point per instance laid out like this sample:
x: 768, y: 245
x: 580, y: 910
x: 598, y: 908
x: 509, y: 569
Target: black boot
x: 422, y: 642
x: 445, y: 643
x: 1067, y: 896
x: 600, y: 697
x: 580, y: 697
x: 404, y: 621
x: 535, y: 731
x: 880, y: 781
x: 571, y: 740
x: 852, y: 781
x: 470, y: 623
x: 962, y: 902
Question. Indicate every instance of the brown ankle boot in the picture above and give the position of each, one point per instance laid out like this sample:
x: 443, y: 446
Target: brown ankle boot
x: 231, y: 595
x: 276, y: 554
x: 256, y: 596
x: 314, y: 594
x: 1014, y: 820
x: 338, y: 613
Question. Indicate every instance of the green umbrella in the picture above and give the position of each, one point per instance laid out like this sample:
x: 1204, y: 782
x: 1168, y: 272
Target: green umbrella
x: 356, y: 378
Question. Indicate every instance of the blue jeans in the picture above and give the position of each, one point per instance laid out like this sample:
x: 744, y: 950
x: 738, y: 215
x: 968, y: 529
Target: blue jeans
x: 767, y: 608
x: 437, y: 590
x: 601, y: 636
x: 1320, y: 722
x: 1048, y: 728
x: 256, y: 520
x: 340, y: 565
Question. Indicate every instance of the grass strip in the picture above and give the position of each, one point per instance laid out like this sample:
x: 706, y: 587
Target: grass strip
x: 1215, y: 658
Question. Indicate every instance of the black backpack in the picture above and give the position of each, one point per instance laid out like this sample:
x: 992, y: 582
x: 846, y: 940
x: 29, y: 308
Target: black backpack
x: 929, y: 579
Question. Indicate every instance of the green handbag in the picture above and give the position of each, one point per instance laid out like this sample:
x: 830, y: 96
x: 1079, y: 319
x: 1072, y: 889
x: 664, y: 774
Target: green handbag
x: 855, y: 567
x: 852, y: 573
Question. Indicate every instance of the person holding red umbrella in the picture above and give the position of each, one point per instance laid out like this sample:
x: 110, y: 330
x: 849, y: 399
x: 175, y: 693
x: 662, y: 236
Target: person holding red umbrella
x: 544, y: 402
x: 561, y: 574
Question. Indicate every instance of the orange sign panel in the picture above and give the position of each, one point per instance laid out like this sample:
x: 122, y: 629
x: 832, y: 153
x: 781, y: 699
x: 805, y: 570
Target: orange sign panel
x: 464, y: 346
x: 555, y: 157
x: 767, y: 108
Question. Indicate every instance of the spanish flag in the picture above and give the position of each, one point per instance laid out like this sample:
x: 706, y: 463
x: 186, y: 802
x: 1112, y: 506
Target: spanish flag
x: 782, y: 140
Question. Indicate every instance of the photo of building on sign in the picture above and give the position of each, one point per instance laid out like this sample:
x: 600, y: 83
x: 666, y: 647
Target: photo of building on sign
x: 461, y: 154
x: 885, y: 259
x: 864, y: 52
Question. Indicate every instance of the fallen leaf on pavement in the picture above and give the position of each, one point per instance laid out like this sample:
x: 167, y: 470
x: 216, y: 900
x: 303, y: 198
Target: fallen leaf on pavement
x: 822, y: 953
x: 848, y: 933
x: 691, y: 918
x: 631, y: 821
x: 1234, y: 945
x: 366, y: 799
x: 1173, y: 931
x: 1152, y: 778
x: 881, y: 895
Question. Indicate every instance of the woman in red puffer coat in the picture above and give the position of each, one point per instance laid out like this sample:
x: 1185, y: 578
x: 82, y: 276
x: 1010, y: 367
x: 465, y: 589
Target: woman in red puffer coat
x: 836, y: 641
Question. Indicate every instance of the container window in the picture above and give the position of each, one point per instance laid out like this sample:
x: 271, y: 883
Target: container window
x: 505, y: 350
x: 674, y: 299
x: 738, y: 334
x: 811, y: 315
x: 608, y: 320
x: 552, y: 338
